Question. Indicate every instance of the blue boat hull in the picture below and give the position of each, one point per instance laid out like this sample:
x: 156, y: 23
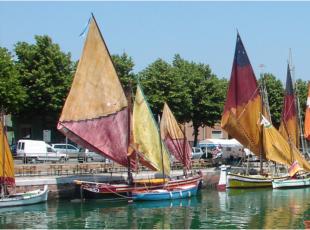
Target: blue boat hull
x: 166, y: 195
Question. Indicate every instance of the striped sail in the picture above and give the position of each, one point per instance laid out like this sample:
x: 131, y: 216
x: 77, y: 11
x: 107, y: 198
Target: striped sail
x: 95, y: 114
x: 243, y: 106
x: 7, y: 176
x: 146, y: 135
x: 289, y: 125
x: 174, y: 138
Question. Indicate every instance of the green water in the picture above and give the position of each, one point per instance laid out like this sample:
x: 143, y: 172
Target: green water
x: 260, y: 208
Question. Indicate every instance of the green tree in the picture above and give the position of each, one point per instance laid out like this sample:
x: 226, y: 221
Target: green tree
x: 275, y: 94
x: 301, y: 88
x: 12, y: 95
x: 207, y: 93
x: 124, y: 68
x: 45, y: 73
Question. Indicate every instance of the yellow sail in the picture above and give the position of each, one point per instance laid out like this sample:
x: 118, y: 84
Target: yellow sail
x: 279, y: 150
x: 7, y: 176
x: 146, y: 135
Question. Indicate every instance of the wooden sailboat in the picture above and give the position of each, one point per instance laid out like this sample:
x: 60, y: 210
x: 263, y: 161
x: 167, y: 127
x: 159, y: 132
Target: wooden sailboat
x: 96, y: 116
x: 177, y: 144
x: 7, y: 179
x: 241, y: 118
x: 289, y: 130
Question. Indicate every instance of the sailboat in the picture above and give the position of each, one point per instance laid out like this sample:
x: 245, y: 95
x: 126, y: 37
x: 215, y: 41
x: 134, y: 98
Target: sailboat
x: 7, y: 179
x: 289, y: 130
x: 177, y: 144
x: 242, y: 116
x: 307, y: 116
x: 96, y: 115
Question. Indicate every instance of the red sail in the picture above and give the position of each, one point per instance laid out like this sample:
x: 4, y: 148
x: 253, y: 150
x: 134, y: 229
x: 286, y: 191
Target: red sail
x: 307, y: 116
x: 289, y: 125
x: 243, y: 105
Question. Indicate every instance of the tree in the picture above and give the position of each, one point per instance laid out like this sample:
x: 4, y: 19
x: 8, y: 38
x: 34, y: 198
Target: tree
x: 124, y: 67
x: 301, y: 88
x: 207, y: 93
x: 275, y: 94
x: 45, y: 73
x: 12, y: 95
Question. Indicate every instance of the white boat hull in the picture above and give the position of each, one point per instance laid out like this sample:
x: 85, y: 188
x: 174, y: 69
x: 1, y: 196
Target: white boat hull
x: 27, y: 198
x: 292, y: 183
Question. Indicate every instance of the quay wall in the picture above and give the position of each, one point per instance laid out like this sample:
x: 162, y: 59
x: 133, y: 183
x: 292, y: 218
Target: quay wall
x: 63, y: 187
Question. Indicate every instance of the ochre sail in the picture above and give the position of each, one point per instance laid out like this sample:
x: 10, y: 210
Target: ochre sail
x: 95, y: 114
x: 307, y: 116
x: 289, y: 125
x: 279, y: 150
x: 174, y: 138
x: 7, y: 176
x: 146, y: 135
x: 242, y: 111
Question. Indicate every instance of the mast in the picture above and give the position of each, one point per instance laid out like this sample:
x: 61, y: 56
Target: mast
x: 3, y: 186
x: 184, y: 157
x: 129, y: 172
x: 263, y: 98
x: 161, y: 149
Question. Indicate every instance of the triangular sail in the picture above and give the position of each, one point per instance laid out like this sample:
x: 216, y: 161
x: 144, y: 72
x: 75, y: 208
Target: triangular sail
x: 95, y: 114
x: 7, y: 176
x: 243, y: 105
x: 146, y: 135
x: 289, y: 125
x: 279, y: 150
x: 174, y: 138
x: 307, y: 116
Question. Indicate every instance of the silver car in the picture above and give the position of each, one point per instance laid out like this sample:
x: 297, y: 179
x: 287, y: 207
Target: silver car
x: 69, y: 149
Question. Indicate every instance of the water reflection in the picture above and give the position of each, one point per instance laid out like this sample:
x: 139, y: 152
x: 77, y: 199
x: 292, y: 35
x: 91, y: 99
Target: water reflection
x: 263, y: 208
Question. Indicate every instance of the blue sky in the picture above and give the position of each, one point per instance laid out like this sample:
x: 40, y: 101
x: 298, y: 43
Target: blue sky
x: 199, y: 31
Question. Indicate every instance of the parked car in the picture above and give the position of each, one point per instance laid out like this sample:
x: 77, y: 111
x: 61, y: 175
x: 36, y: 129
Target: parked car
x: 33, y: 151
x: 68, y: 149
x: 87, y: 156
x: 197, y: 153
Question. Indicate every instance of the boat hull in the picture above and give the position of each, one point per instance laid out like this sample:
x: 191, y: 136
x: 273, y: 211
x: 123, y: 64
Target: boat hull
x: 238, y: 181
x: 109, y: 190
x: 28, y: 198
x: 292, y: 183
x: 166, y: 194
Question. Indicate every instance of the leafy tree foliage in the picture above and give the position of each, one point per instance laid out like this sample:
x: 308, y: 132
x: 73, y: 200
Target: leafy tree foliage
x: 275, y: 94
x: 301, y: 88
x: 124, y: 68
x: 45, y: 73
x: 191, y: 90
x: 12, y: 94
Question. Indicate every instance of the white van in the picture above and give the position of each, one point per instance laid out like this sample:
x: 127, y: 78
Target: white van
x: 32, y: 151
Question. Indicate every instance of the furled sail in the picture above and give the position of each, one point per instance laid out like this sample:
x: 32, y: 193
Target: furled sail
x: 289, y: 125
x: 307, y: 116
x: 243, y: 107
x: 95, y: 114
x: 279, y: 150
x: 174, y: 138
x: 146, y: 135
x: 7, y: 176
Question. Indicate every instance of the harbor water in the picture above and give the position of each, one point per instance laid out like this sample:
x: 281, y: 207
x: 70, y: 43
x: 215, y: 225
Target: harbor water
x: 233, y: 209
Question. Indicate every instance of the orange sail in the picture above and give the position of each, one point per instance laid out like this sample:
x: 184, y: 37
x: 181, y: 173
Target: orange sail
x: 7, y: 176
x: 174, y: 138
x: 289, y: 125
x: 307, y: 116
x: 243, y: 107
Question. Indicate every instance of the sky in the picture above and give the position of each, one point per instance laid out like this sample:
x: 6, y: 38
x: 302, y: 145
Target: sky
x: 202, y: 31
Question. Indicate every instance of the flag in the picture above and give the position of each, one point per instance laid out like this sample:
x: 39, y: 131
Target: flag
x: 289, y: 125
x: 295, y: 167
x: 243, y: 106
x: 307, y: 116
